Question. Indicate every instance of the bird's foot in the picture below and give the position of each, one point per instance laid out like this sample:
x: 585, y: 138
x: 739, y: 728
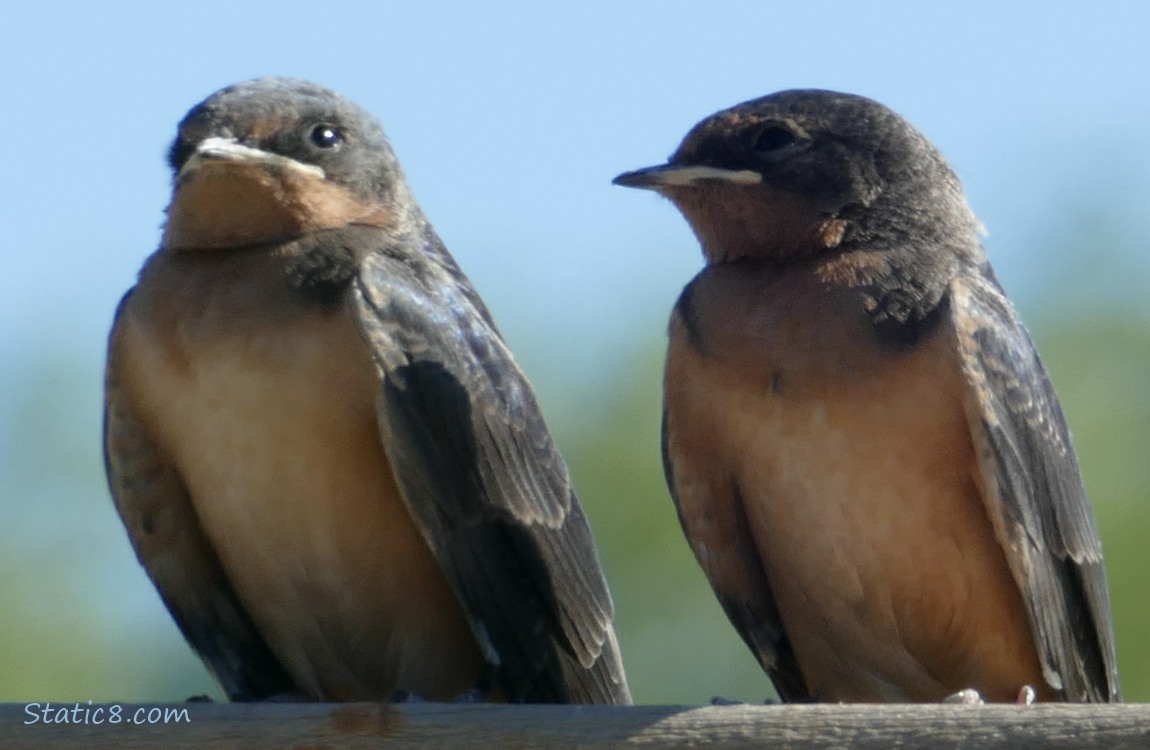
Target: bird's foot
x: 967, y: 697
x: 406, y: 696
x: 476, y: 694
x: 288, y: 697
x: 1027, y: 696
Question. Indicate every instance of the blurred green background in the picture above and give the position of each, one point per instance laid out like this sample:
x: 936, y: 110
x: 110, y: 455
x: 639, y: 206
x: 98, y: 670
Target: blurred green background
x: 510, y: 119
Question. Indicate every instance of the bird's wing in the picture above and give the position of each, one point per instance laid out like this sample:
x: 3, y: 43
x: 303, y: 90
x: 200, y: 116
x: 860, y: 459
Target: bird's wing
x: 485, y: 483
x: 166, y: 535
x: 1033, y: 492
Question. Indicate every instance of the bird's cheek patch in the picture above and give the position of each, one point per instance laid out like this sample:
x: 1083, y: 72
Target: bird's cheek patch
x: 222, y: 205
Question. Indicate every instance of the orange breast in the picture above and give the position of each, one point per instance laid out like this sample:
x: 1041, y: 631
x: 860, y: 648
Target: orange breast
x: 271, y: 422
x: 857, y: 472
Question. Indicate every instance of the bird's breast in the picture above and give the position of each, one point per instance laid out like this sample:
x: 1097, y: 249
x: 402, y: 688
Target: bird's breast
x: 855, y: 466
x: 268, y: 412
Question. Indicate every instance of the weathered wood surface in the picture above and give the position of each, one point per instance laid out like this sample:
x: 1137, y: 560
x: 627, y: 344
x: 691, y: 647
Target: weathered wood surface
x: 450, y: 726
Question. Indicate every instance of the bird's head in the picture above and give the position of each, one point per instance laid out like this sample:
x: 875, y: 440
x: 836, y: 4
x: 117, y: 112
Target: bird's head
x: 273, y: 159
x: 799, y: 172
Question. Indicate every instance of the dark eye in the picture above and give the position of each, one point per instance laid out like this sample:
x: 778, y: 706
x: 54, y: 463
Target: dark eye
x: 326, y: 136
x: 773, y: 138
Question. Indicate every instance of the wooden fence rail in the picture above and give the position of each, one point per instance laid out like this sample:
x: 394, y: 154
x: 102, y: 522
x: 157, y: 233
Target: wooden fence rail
x: 449, y: 726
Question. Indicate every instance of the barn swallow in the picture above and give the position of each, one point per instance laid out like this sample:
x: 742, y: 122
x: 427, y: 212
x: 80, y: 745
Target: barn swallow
x: 326, y: 458
x: 865, y: 451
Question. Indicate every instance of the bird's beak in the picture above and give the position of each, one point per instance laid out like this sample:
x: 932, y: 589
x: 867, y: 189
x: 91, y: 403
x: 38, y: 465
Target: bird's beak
x: 675, y: 175
x: 228, y: 153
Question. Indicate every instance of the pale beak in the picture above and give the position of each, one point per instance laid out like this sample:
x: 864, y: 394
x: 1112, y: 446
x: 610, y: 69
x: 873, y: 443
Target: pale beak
x: 229, y: 151
x: 673, y: 175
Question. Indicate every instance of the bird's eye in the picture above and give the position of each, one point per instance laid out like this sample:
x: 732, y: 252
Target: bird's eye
x: 773, y: 138
x: 326, y: 136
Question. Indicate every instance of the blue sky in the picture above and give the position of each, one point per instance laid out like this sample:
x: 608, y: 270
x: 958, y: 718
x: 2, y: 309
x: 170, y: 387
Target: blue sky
x: 510, y: 120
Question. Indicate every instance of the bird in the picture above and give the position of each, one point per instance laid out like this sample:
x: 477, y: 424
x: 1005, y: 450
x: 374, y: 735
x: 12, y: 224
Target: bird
x: 324, y: 454
x: 865, y: 451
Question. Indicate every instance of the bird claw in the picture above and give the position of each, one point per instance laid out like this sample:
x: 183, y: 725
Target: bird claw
x: 967, y: 697
x: 288, y: 697
x: 405, y: 696
x: 476, y: 694
x: 1027, y: 696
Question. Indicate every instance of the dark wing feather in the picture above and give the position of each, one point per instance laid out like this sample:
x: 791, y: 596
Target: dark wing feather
x: 1034, y: 493
x: 165, y: 533
x: 485, y: 483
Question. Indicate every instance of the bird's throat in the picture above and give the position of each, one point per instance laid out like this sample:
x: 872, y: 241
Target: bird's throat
x: 224, y: 205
